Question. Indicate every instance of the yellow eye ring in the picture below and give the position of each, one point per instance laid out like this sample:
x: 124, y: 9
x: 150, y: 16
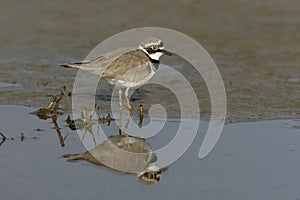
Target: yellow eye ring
x: 154, y: 48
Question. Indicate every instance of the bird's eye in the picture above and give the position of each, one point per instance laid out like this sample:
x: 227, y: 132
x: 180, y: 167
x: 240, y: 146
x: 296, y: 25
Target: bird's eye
x: 154, y: 48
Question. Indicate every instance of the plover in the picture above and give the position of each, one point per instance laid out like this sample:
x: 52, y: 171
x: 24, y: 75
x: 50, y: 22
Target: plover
x: 127, y: 67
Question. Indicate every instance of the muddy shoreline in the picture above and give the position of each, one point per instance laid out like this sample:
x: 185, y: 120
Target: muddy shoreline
x: 255, y: 48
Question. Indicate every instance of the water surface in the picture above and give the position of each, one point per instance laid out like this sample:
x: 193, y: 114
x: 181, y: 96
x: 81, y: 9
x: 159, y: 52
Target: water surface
x: 257, y: 160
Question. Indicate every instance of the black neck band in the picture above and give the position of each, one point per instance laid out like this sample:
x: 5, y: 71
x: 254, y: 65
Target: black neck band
x: 154, y: 61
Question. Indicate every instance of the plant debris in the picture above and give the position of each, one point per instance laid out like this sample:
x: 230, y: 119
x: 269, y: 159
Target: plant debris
x: 87, y: 121
x: 22, y: 136
x: 3, y: 138
x: 52, y: 109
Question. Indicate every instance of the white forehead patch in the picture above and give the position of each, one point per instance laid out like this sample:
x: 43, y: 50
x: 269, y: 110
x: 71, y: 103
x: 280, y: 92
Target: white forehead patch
x: 150, y: 42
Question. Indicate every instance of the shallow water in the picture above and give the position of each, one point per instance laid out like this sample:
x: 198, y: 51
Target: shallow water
x: 254, y: 160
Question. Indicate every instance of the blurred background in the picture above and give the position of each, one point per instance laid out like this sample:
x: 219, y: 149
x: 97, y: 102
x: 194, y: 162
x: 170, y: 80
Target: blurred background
x: 255, y: 44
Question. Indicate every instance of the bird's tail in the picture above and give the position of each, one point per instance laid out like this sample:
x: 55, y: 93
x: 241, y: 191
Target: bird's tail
x: 74, y: 65
x: 90, y: 66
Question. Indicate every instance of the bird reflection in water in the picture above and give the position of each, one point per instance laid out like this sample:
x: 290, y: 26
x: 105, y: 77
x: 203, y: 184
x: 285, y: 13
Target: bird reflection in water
x: 124, y: 153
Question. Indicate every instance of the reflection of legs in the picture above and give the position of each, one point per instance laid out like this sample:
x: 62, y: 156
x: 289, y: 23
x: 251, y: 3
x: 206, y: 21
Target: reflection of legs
x: 120, y: 117
x: 85, y: 131
x: 127, y: 99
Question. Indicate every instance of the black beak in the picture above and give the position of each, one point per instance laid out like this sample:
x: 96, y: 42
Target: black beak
x: 166, y: 52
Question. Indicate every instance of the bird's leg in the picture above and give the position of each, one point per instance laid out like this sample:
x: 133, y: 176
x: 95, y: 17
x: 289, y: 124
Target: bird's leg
x: 126, y: 125
x: 127, y: 99
x: 120, y: 98
x: 120, y: 117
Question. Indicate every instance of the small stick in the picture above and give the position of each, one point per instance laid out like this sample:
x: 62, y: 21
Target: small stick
x: 108, y: 119
x: 141, y: 111
x: 3, y: 136
x: 22, y: 136
x: 141, y: 116
x: 61, y: 139
x: 51, y: 103
x: 62, y: 91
